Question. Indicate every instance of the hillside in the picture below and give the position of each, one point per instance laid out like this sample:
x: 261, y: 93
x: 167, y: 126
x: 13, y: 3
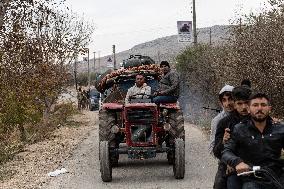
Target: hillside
x: 165, y: 48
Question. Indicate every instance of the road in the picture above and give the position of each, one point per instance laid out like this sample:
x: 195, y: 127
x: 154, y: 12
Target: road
x: 84, y: 171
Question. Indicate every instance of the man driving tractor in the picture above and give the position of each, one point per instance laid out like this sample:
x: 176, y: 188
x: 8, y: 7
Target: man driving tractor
x: 139, y: 88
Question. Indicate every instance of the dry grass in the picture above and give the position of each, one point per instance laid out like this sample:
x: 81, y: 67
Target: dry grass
x: 11, y: 144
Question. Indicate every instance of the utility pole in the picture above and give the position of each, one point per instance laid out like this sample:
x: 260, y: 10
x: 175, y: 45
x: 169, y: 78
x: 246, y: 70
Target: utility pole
x: 75, y: 73
x: 210, y: 37
x: 194, y: 23
x: 159, y: 56
x: 114, y: 60
x: 99, y: 53
x: 240, y: 25
x: 89, y: 79
x: 94, y: 62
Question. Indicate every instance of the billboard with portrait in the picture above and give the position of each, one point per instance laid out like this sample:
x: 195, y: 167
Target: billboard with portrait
x: 184, y: 31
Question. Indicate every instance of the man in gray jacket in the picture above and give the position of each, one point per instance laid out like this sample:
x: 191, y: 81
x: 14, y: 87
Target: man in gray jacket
x: 227, y: 103
x: 168, y: 86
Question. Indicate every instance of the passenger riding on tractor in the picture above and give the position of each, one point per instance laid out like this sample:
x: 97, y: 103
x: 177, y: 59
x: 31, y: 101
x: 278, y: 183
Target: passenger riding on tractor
x: 146, y: 128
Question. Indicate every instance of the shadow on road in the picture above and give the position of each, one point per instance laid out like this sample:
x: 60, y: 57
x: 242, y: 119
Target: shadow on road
x: 141, y: 163
x: 146, y: 171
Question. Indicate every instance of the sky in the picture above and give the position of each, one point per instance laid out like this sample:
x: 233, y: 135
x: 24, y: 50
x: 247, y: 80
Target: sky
x: 126, y: 23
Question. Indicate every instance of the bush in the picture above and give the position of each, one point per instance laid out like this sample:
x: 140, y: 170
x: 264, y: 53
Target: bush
x: 199, y: 86
x: 254, y: 51
x: 11, y: 143
x: 82, y: 78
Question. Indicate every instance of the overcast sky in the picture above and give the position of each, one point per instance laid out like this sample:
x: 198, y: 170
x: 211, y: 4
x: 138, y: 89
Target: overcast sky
x: 126, y: 23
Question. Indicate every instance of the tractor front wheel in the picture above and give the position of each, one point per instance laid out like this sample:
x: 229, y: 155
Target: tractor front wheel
x: 105, y: 163
x: 179, y: 161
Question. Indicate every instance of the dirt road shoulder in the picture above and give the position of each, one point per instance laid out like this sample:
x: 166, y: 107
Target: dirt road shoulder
x: 29, y: 168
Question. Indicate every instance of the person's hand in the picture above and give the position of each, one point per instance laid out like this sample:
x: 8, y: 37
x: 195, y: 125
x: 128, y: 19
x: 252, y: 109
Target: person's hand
x: 229, y: 170
x: 276, y: 120
x: 157, y: 93
x: 242, y: 167
x: 132, y: 97
x: 226, y: 136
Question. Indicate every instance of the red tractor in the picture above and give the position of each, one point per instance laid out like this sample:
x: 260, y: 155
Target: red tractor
x: 145, y: 127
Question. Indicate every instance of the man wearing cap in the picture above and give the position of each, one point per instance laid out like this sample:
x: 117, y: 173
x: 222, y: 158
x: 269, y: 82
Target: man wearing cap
x: 227, y: 103
x: 168, y: 86
x: 224, y: 127
x: 226, y: 100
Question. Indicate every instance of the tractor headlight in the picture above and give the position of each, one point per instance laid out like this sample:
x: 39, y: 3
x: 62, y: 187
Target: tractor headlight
x: 165, y: 112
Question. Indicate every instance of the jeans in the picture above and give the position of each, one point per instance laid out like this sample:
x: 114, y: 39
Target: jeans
x: 165, y: 99
x: 220, y: 181
x: 234, y: 182
x: 255, y: 185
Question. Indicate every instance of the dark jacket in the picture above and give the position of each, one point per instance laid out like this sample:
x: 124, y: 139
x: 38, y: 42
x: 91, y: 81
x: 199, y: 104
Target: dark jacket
x: 227, y: 122
x: 249, y: 145
x: 169, y: 84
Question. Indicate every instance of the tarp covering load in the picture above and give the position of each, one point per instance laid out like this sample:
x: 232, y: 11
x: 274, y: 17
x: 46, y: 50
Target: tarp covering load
x: 132, y: 68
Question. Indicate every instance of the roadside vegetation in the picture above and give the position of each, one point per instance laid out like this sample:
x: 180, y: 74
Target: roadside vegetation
x: 38, y: 42
x: 254, y: 51
x: 82, y: 78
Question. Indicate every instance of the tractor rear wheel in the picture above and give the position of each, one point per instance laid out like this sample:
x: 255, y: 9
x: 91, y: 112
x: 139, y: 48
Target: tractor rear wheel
x: 106, y: 122
x: 177, y: 125
x: 179, y: 161
x: 105, y: 164
x: 175, y: 119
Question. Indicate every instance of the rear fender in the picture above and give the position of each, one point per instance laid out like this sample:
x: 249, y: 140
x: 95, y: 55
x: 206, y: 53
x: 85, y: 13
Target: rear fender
x: 174, y: 106
x: 112, y: 106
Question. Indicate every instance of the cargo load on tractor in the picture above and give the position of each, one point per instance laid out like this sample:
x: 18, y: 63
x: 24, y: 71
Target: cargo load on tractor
x: 141, y: 128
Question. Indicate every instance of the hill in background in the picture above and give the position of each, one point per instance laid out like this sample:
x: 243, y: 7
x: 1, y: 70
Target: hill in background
x: 165, y: 48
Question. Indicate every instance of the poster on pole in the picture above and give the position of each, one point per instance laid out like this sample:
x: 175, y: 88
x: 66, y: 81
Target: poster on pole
x: 184, y: 31
x: 109, y: 63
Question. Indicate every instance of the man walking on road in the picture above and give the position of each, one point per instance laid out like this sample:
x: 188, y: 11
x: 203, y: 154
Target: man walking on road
x: 79, y: 98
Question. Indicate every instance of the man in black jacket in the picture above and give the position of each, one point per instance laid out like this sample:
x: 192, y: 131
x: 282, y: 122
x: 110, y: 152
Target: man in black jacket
x: 257, y: 141
x: 225, y: 126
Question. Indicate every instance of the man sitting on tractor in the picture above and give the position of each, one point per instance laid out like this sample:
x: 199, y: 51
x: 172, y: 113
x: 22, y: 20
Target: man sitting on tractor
x: 139, y: 90
x: 168, y: 86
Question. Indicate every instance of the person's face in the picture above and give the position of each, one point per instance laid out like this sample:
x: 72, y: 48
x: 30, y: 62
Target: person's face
x: 241, y: 106
x: 139, y: 80
x: 165, y: 69
x: 259, y: 109
x: 227, y: 103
